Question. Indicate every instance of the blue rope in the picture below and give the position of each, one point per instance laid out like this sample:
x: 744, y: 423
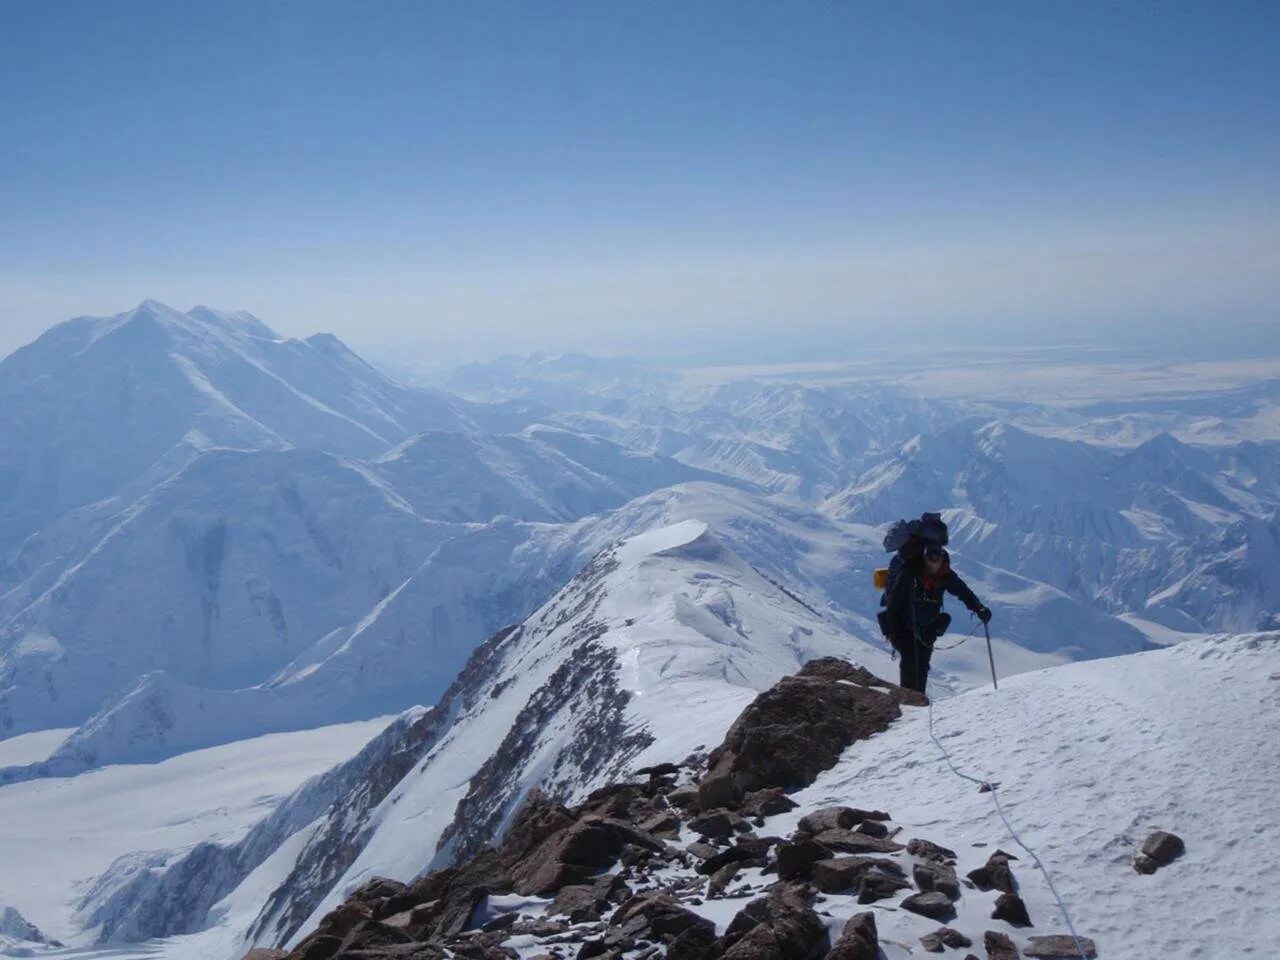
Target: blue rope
x: 995, y: 796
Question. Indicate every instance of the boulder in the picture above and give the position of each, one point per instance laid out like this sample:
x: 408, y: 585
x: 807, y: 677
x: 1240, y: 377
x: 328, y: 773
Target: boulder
x: 928, y: 850
x: 371, y: 934
x: 781, y: 924
x: 872, y: 828
x: 718, y: 824
x: 766, y: 803
x: 849, y: 841
x: 1159, y: 850
x: 748, y: 849
x: 879, y: 886
x: 800, y: 726
x: 684, y: 797
x: 858, y: 940
x: 318, y: 946
x: 840, y: 873
x: 665, y: 826
x: 379, y: 888
x: 933, y: 875
x: 721, y: 879
x: 839, y: 818
x: 691, y: 944
x: 995, y: 873
x: 935, y: 906
x: 1011, y: 909
x: 944, y: 937
x: 719, y: 791
x: 828, y: 818
x: 999, y: 946
x: 1060, y: 947
x: 578, y: 902
x: 656, y: 916
x: 796, y: 859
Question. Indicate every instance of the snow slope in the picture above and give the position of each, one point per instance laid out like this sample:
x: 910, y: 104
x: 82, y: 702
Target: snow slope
x: 74, y: 829
x: 1090, y: 758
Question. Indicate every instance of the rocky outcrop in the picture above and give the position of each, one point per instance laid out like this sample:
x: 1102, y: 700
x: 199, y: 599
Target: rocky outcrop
x: 629, y: 871
x: 799, y: 728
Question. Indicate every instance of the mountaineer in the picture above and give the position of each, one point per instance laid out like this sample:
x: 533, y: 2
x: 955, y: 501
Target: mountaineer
x: 915, y: 583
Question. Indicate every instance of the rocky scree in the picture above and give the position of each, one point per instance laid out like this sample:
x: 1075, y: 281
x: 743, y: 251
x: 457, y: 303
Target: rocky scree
x: 641, y: 869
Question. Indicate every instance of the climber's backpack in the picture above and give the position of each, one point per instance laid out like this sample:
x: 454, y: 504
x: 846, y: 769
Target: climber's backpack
x: 906, y: 539
x: 903, y: 534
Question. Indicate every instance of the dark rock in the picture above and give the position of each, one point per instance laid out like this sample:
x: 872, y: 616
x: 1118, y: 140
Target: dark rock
x: 656, y: 916
x: 781, y: 925
x: 858, y: 941
x: 702, y: 850
x: 928, y: 850
x: 1060, y: 947
x: 719, y: 823
x: 721, y: 878
x: 684, y: 797
x: 658, y: 770
x: 265, y: 953
x: 872, y: 828
x: 800, y: 726
x: 342, y: 919
x: 1011, y: 909
x: 318, y: 946
x: 935, y: 906
x: 766, y: 803
x: 828, y: 818
x: 504, y: 921
x: 879, y: 886
x: 932, y: 875
x: 535, y: 820
x: 379, y: 888
x: 663, y: 825
x: 847, y: 841
x: 796, y: 859
x: 372, y: 933
x: 999, y: 946
x: 745, y: 851
x: 994, y: 874
x: 839, y: 818
x: 944, y: 937
x: 578, y: 902
x: 458, y: 910
x: 841, y: 873
x: 720, y: 791
x: 1159, y: 850
x: 691, y: 944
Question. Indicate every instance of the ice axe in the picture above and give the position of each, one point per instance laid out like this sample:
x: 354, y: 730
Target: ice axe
x: 990, y: 656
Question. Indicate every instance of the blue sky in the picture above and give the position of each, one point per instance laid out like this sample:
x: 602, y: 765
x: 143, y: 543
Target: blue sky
x: 478, y: 175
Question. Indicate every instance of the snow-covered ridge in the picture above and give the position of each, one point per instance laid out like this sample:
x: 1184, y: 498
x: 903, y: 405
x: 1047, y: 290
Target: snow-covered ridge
x: 651, y: 650
x: 872, y: 852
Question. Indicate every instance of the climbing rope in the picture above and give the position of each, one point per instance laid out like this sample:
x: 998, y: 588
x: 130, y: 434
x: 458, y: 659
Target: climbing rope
x: 993, y: 789
x: 951, y: 646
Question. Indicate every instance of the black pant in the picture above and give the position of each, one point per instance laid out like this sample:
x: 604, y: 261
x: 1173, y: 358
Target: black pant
x: 913, y: 662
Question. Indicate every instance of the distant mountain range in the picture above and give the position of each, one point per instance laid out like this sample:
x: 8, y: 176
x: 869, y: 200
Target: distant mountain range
x: 210, y: 533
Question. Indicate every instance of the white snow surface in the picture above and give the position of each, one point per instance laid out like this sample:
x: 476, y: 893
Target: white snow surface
x: 67, y: 831
x: 1090, y: 758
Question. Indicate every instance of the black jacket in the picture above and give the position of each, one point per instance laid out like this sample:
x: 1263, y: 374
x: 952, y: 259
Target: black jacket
x: 914, y: 599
